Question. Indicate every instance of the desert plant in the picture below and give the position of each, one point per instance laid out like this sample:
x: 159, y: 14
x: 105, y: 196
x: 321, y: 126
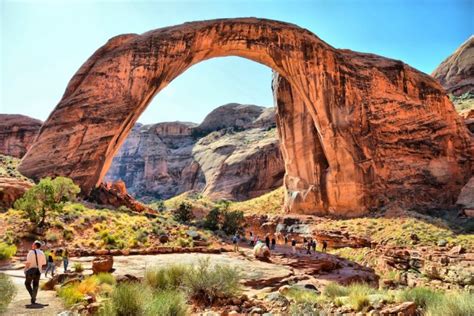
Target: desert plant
x: 183, y: 213
x: 7, y: 292
x: 233, y: 222
x: 105, y: 278
x: 204, y: 283
x: 451, y: 304
x: 70, y: 295
x: 359, y: 296
x: 129, y: 299
x: 48, y: 196
x: 168, y: 302
x: 333, y: 290
x: 211, y: 221
x: 422, y: 296
x: 166, y: 278
x: 89, y: 286
x: 7, y: 251
x: 78, y: 267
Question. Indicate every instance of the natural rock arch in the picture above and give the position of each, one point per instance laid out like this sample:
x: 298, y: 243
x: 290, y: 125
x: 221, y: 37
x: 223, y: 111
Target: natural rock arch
x: 358, y: 131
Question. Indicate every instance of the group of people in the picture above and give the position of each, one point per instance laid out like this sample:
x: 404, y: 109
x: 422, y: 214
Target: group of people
x: 309, y: 244
x: 35, y: 260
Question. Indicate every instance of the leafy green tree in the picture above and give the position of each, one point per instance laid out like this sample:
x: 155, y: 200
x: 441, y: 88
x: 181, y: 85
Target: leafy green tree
x: 211, y: 221
x: 183, y: 213
x: 233, y: 222
x: 48, y: 196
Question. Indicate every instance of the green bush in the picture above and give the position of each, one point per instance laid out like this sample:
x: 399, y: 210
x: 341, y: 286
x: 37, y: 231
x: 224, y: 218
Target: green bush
x: 233, y: 222
x: 211, y: 221
x: 70, y: 295
x: 359, y: 296
x: 333, y: 290
x: 105, y: 278
x: 169, y: 303
x: 204, y: 283
x: 183, y: 213
x: 129, y: 299
x: 68, y: 234
x: 420, y: 295
x: 78, y: 267
x: 47, y: 197
x: 7, y: 251
x: 7, y: 292
x: 166, y: 278
x: 452, y: 304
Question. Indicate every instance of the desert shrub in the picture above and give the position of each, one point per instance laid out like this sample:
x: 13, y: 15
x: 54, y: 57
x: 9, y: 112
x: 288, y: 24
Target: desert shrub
x: 333, y: 290
x: 70, y: 295
x: 168, y: 302
x: 68, y: 234
x: 78, y: 267
x: 233, y: 222
x: 183, y: 213
x: 211, y: 221
x: 48, y: 196
x: 51, y: 236
x: 7, y: 251
x: 158, y: 206
x: 128, y: 299
x: 359, y: 296
x: 205, y: 283
x: 105, y: 278
x: 184, y: 242
x: 306, y: 309
x: 300, y: 295
x: 422, y: 296
x: 451, y: 304
x: 166, y: 278
x: 7, y: 292
x: 123, y: 208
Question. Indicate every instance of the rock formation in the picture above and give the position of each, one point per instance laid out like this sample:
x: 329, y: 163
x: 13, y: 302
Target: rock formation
x: 456, y: 73
x: 17, y: 133
x: 388, y: 132
x: 232, y: 154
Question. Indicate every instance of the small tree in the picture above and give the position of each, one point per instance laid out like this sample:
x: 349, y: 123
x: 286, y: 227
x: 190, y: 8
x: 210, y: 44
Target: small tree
x: 233, y: 222
x: 183, y: 213
x: 49, y: 195
x: 211, y: 221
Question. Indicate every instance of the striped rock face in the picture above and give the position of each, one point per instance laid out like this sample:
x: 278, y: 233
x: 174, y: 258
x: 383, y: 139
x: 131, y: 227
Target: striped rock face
x: 358, y: 132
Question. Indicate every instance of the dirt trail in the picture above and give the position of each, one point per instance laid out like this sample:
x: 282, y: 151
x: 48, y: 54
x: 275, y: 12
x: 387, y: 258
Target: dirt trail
x: 52, y: 305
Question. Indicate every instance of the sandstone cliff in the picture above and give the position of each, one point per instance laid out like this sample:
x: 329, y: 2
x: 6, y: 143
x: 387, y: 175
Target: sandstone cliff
x: 17, y: 133
x: 233, y: 154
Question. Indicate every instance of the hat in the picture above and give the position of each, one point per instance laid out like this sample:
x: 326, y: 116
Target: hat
x: 39, y: 242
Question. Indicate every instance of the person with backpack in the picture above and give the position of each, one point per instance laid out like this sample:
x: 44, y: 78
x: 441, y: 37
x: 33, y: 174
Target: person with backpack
x: 273, y: 243
x: 35, y: 260
x: 325, y: 246
x: 65, y: 259
x: 293, y: 245
x: 235, y: 241
x: 50, y: 264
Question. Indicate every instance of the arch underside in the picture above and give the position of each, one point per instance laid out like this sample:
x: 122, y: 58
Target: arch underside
x: 358, y: 131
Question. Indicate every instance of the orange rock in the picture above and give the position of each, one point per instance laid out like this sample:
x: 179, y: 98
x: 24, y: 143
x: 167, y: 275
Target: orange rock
x: 380, y: 133
x: 17, y: 133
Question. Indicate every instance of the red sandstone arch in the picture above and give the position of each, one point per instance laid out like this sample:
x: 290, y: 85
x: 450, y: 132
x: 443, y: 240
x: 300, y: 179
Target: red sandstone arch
x: 358, y: 131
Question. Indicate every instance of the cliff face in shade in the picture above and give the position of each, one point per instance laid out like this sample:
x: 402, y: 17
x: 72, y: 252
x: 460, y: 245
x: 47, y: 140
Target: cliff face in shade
x: 17, y: 133
x: 165, y: 159
x: 389, y: 133
x: 456, y: 73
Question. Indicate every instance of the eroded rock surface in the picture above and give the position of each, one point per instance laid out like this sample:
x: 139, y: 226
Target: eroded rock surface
x: 389, y: 133
x: 17, y: 133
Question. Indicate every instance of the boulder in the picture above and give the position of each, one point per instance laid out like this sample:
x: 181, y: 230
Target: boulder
x: 12, y: 189
x: 403, y: 309
x: 261, y: 251
x: 102, y: 264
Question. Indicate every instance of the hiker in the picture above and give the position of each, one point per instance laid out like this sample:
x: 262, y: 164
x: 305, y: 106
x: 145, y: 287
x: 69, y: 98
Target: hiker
x: 313, y: 245
x: 235, y: 241
x: 308, y: 247
x: 286, y: 240
x: 273, y: 243
x: 325, y: 246
x: 252, y: 241
x: 65, y: 259
x: 50, y: 264
x: 293, y: 245
x: 33, y: 266
x: 267, y: 241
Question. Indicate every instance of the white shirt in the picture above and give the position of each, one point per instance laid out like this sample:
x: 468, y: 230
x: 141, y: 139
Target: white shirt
x: 31, y: 259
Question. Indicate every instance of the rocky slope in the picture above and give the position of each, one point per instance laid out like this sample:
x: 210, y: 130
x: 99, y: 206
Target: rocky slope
x: 17, y: 133
x: 232, y: 154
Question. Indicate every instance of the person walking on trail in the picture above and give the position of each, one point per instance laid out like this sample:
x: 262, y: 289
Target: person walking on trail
x: 293, y: 245
x: 308, y: 247
x: 267, y: 241
x: 286, y: 240
x: 50, y: 264
x: 252, y: 241
x: 273, y: 243
x: 325, y: 246
x: 65, y: 259
x: 35, y: 260
x: 313, y: 245
x: 235, y: 241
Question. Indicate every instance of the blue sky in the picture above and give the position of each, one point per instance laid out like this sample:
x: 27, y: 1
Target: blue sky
x: 43, y: 43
